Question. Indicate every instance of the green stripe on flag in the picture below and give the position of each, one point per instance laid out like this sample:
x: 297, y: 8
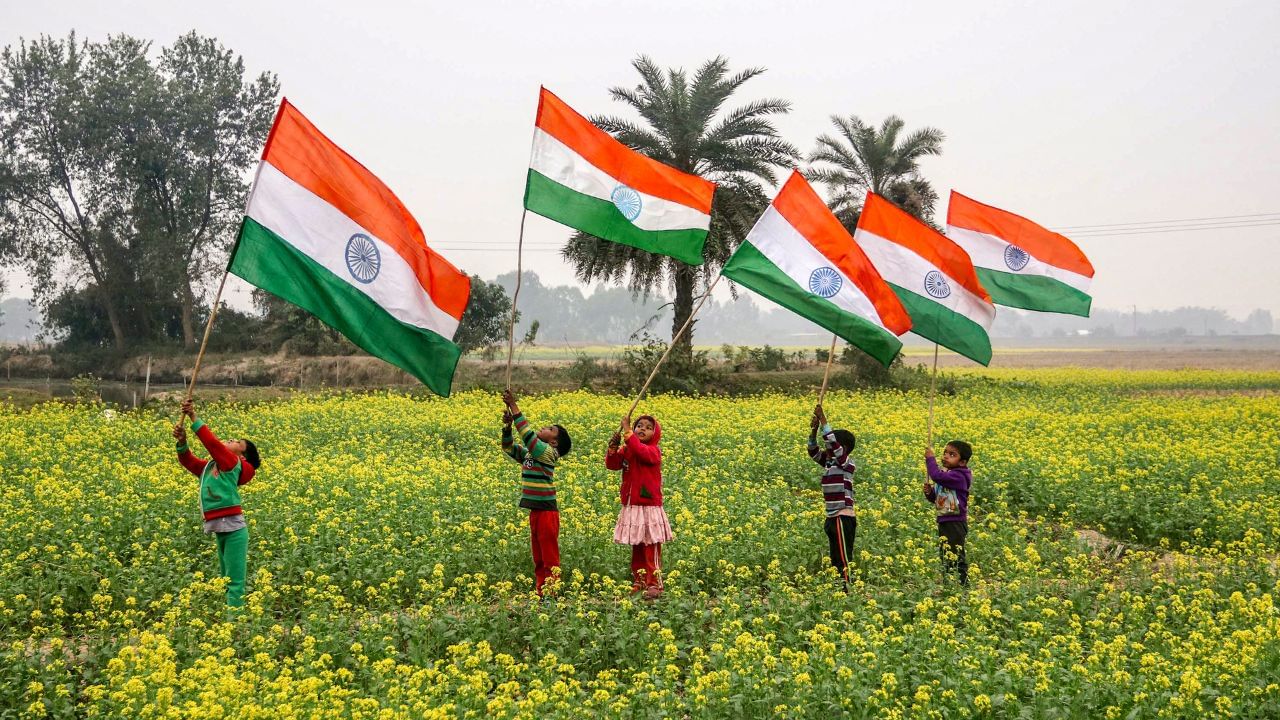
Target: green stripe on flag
x: 751, y: 268
x: 933, y: 321
x: 602, y: 218
x: 267, y: 261
x: 1033, y: 292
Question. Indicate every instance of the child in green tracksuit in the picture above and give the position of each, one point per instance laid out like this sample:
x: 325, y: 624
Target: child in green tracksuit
x: 232, y: 464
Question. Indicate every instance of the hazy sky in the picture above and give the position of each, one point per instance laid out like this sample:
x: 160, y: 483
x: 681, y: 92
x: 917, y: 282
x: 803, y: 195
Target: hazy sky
x: 1071, y: 113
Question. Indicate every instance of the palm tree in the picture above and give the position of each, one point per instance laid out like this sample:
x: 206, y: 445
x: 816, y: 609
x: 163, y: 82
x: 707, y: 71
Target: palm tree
x: 683, y: 126
x: 863, y: 158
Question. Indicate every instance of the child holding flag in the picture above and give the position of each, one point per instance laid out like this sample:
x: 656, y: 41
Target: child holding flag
x: 642, y: 523
x: 232, y: 464
x: 837, y: 488
x: 948, y: 490
x: 537, y: 454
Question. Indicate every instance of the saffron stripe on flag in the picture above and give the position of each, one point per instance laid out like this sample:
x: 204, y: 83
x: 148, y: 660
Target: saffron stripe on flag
x: 805, y: 211
x: 304, y: 154
x: 322, y: 232
x: 1044, y: 244
x: 885, y: 220
x: 558, y: 162
x: 605, y: 152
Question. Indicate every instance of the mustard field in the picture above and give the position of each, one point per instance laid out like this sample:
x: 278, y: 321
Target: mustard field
x: 1124, y: 549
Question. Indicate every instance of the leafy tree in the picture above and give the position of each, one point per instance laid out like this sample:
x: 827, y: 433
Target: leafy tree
x: 863, y: 158
x: 117, y: 173
x: 485, y: 322
x: 63, y: 219
x: 202, y: 132
x: 684, y: 124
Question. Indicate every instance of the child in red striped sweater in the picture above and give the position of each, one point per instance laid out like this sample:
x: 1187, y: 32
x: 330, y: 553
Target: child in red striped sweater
x: 538, y: 453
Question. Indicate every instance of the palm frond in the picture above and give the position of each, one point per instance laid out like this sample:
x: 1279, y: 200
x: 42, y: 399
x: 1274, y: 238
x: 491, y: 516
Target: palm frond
x: 748, y: 120
x: 634, y: 136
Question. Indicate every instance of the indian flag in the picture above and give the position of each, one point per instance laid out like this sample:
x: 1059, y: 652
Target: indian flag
x: 326, y: 235
x: 1020, y: 263
x: 931, y: 275
x: 800, y: 256
x: 580, y: 176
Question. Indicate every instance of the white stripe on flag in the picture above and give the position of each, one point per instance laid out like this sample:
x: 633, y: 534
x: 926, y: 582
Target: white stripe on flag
x: 561, y: 164
x: 907, y: 270
x: 785, y: 247
x: 987, y: 251
x: 321, y: 232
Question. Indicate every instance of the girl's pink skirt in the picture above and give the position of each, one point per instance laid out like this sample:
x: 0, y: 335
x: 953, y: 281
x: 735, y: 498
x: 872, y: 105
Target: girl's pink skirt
x: 642, y: 525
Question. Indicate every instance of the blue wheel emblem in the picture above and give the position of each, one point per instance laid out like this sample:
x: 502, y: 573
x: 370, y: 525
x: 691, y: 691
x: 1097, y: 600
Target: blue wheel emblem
x: 936, y: 285
x: 1016, y: 258
x: 825, y: 282
x: 627, y: 201
x: 363, y: 259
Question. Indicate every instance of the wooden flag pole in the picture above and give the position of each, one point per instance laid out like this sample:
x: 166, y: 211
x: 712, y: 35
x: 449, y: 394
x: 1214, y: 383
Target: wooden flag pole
x: 217, y: 298
x: 827, y: 374
x: 208, y: 327
x: 674, y: 340
x: 511, y: 329
x: 932, y: 383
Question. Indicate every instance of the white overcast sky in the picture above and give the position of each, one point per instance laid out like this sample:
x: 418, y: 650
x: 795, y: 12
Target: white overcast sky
x: 1071, y: 113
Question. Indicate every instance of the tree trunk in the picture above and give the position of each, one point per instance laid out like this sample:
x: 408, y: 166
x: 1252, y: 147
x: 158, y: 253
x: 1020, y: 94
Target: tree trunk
x: 188, y: 321
x: 113, y: 316
x: 685, y: 278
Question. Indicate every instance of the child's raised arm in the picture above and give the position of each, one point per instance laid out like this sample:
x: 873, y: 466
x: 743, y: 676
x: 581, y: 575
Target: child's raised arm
x: 537, y: 448
x: 953, y: 479
x: 193, y: 464
x: 222, y: 457
x: 613, y: 458
x: 819, y: 423
x: 509, y: 446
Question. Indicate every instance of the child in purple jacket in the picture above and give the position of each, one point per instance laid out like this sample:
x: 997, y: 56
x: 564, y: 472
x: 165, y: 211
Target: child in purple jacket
x: 948, y: 490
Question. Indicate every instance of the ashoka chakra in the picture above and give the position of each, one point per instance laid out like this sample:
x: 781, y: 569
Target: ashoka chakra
x: 627, y: 201
x: 1016, y: 258
x: 363, y: 259
x: 936, y: 285
x: 825, y: 282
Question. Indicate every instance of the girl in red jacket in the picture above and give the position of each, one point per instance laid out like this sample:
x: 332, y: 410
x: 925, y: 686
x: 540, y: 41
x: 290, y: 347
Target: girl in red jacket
x: 642, y: 523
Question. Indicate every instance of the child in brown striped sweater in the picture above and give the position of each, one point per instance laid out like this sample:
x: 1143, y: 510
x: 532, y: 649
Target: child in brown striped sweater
x: 837, y: 488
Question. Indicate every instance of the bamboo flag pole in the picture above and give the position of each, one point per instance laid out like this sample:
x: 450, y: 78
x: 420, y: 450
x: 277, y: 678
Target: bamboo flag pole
x: 827, y: 374
x: 208, y: 327
x: 932, y: 383
x: 524, y: 214
x: 674, y: 340
x: 217, y: 298
x: 511, y: 329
